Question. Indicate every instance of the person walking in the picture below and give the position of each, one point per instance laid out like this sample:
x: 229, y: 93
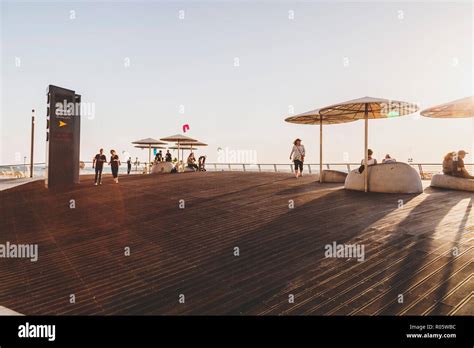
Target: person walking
x: 297, y: 155
x: 129, y: 165
x: 114, y: 164
x: 98, y: 164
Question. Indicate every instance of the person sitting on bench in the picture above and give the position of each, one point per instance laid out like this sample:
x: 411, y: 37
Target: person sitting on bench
x: 459, y: 170
x: 192, y: 162
x: 448, y: 163
x: 389, y: 159
x: 370, y: 161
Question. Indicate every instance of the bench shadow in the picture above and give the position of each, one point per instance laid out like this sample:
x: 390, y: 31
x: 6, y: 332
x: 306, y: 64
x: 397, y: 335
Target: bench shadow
x: 421, y: 224
x: 442, y: 291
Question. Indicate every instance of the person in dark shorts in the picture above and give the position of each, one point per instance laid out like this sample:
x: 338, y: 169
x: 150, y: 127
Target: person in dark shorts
x: 129, y: 165
x: 98, y: 164
x: 297, y: 155
x: 114, y: 164
x: 168, y: 156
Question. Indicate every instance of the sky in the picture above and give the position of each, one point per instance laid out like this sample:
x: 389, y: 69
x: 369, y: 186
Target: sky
x: 233, y: 70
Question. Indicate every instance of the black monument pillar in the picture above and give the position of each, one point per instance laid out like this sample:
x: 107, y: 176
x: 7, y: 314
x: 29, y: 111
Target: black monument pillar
x: 63, y: 133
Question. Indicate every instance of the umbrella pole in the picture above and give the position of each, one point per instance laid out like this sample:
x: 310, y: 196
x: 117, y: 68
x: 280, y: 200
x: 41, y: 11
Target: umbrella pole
x: 178, y: 158
x: 149, y: 159
x: 320, y: 149
x: 366, y: 147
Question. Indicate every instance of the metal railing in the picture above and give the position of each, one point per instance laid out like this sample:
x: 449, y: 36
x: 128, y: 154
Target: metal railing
x: 426, y: 170
x: 278, y: 167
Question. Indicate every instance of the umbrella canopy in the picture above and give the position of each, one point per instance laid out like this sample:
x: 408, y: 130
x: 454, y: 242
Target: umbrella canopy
x: 147, y: 143
x: 180, y: 148
x: 314, y: 117
x: 179, y: 138
x: 461, y: 108
x: 150, y: 146
x: 368, y: 108
x: 193, y: 144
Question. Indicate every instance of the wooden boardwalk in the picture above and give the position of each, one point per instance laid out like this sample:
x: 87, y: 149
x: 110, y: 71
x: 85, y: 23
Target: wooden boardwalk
x: 409, y: 243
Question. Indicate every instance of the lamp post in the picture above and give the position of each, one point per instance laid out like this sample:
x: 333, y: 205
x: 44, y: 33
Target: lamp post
x: 32, y: 141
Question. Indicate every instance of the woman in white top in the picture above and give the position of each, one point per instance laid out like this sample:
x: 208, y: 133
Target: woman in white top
x: 370, y: 161
x: 297, y: 155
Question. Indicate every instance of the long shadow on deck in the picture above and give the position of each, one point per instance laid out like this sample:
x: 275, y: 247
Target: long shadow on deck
x: 429, y: 213
x: 281, y: 251
x: 443, y: 289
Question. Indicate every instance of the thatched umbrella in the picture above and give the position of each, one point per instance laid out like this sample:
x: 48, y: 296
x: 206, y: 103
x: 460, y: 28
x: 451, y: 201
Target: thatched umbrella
x: 147, y: 143
x: 193, y: 144
x: 461, y: 108
x: 179, y: 139
x: 365, y: 108
x: 152, y: 146
x: 314, y: 117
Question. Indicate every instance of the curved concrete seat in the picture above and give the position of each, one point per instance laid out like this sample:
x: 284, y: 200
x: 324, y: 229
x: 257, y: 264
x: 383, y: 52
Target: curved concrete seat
x: 334, y: 176
x: 188, y: 169
x: 452, y: 182
x: 386, y: 178
x: 162, y: 168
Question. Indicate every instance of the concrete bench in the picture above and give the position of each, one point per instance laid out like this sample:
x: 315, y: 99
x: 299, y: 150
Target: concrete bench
x: 334, y: 176
x: 452, y: 182
x: 162, y: 168
x: 188, y: 169
x: 386, y: 178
